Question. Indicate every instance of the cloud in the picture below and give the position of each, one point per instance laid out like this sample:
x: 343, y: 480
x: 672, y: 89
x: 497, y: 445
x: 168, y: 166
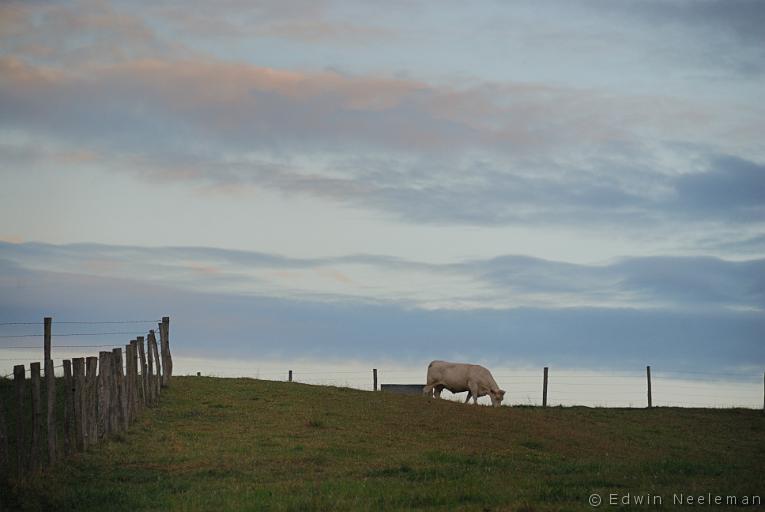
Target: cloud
x: 464, y: 152
x: 705, y: 34
x: 732, y: 186
x: 232, y: 325
x: 742, y: 19
x: 671, y: 283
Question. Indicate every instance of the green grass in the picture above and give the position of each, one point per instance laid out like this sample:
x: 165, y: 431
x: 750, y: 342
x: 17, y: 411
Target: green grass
x: 241, y: 444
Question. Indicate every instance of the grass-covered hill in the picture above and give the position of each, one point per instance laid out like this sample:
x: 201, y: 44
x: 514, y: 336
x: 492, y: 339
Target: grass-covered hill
x: 242, y: 444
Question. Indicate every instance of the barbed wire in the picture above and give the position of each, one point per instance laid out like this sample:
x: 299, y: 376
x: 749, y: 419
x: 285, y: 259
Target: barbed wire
x: 72, y: 334
x: 63, y: 346
x: 87, y: 322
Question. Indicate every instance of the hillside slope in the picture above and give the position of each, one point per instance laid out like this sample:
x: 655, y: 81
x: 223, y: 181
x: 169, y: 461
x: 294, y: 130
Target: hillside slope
x: 242, y: 444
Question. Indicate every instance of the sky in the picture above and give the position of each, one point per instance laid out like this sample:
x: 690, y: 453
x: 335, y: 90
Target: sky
x: 571, y: 183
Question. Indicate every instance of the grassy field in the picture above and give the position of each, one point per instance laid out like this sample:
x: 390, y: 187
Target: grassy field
x: 242, y: 444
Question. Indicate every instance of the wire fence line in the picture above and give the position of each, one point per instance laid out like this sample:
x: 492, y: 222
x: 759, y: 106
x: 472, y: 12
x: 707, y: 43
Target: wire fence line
x: 103, y: 393
x: 567, y: 388
x: 87, y: 322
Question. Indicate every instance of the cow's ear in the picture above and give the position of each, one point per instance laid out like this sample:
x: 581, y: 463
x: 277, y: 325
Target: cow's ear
x: 501, y: 392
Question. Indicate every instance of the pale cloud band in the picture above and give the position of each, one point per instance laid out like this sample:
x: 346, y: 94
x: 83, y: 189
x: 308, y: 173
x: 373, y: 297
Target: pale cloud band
x: 505, y: 282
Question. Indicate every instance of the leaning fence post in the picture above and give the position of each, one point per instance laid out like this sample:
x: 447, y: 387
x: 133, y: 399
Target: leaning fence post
x: 374, y: 379
x: 50, y: 380
x: 80, y: 429
x: 648, y: 378
x: 544, y: 387
x: 21, y: 438
x: 35, y: 452
x: 68, y: 407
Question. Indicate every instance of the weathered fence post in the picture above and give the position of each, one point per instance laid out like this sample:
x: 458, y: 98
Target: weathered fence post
x: 544, y: 387
x: 374, y: 379
x: 5, y: 458
x: 167, y: 359
x: 118, y: 419
x: 50, y: 380
x: 46, y: 337
x: 150, y: 370
x: 648, y: 378
x: 21, y: 437
x: 144, y: 379
x: 104, y: 393
x: 157, y: 375
x: 80, y: 429
x: 128, y: 380
x: 92, y: 400
x: 134, y: 377
x: 69, y: 442
x: 289, y: 376
x: 35, y: 460
x: 122, y: 407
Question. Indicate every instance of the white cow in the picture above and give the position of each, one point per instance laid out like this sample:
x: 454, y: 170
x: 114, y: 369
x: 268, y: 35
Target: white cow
x: 459, y: 377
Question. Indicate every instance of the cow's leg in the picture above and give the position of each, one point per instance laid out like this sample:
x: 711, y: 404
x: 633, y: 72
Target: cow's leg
x: 438, y: 388
x: 473, y: 391
x: 468, y: 397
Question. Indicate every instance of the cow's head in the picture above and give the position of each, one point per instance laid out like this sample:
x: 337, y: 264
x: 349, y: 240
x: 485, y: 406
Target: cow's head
x: 496, y: 396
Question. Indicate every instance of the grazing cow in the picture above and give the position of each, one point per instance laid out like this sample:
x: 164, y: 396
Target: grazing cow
x: 459, y: 377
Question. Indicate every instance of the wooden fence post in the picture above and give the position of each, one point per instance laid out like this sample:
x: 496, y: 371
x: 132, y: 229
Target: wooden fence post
x: 92, y: 399
x: 21, y: 424
x: 150, y: 371
x: 167, y: 359
x: 104, y: 393
x: 144, y: 380
x: 80, y: 429
x: 289, y: 376
x: 123, y: 391
x: 46, y: 337
x: 35, y: 460
x: 5, y: 459
x: 157, y: 375
x: 648, y: 378
x: 50, y: 380
x: 68, y: 407
x: 119, y: 401
x: 134, y: 377
x: 374, y: 379
x: 544, y: 387
x: 128, y: 380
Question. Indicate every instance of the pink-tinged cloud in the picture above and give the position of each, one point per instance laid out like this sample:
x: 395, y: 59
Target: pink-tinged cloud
x: 248, y: 107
